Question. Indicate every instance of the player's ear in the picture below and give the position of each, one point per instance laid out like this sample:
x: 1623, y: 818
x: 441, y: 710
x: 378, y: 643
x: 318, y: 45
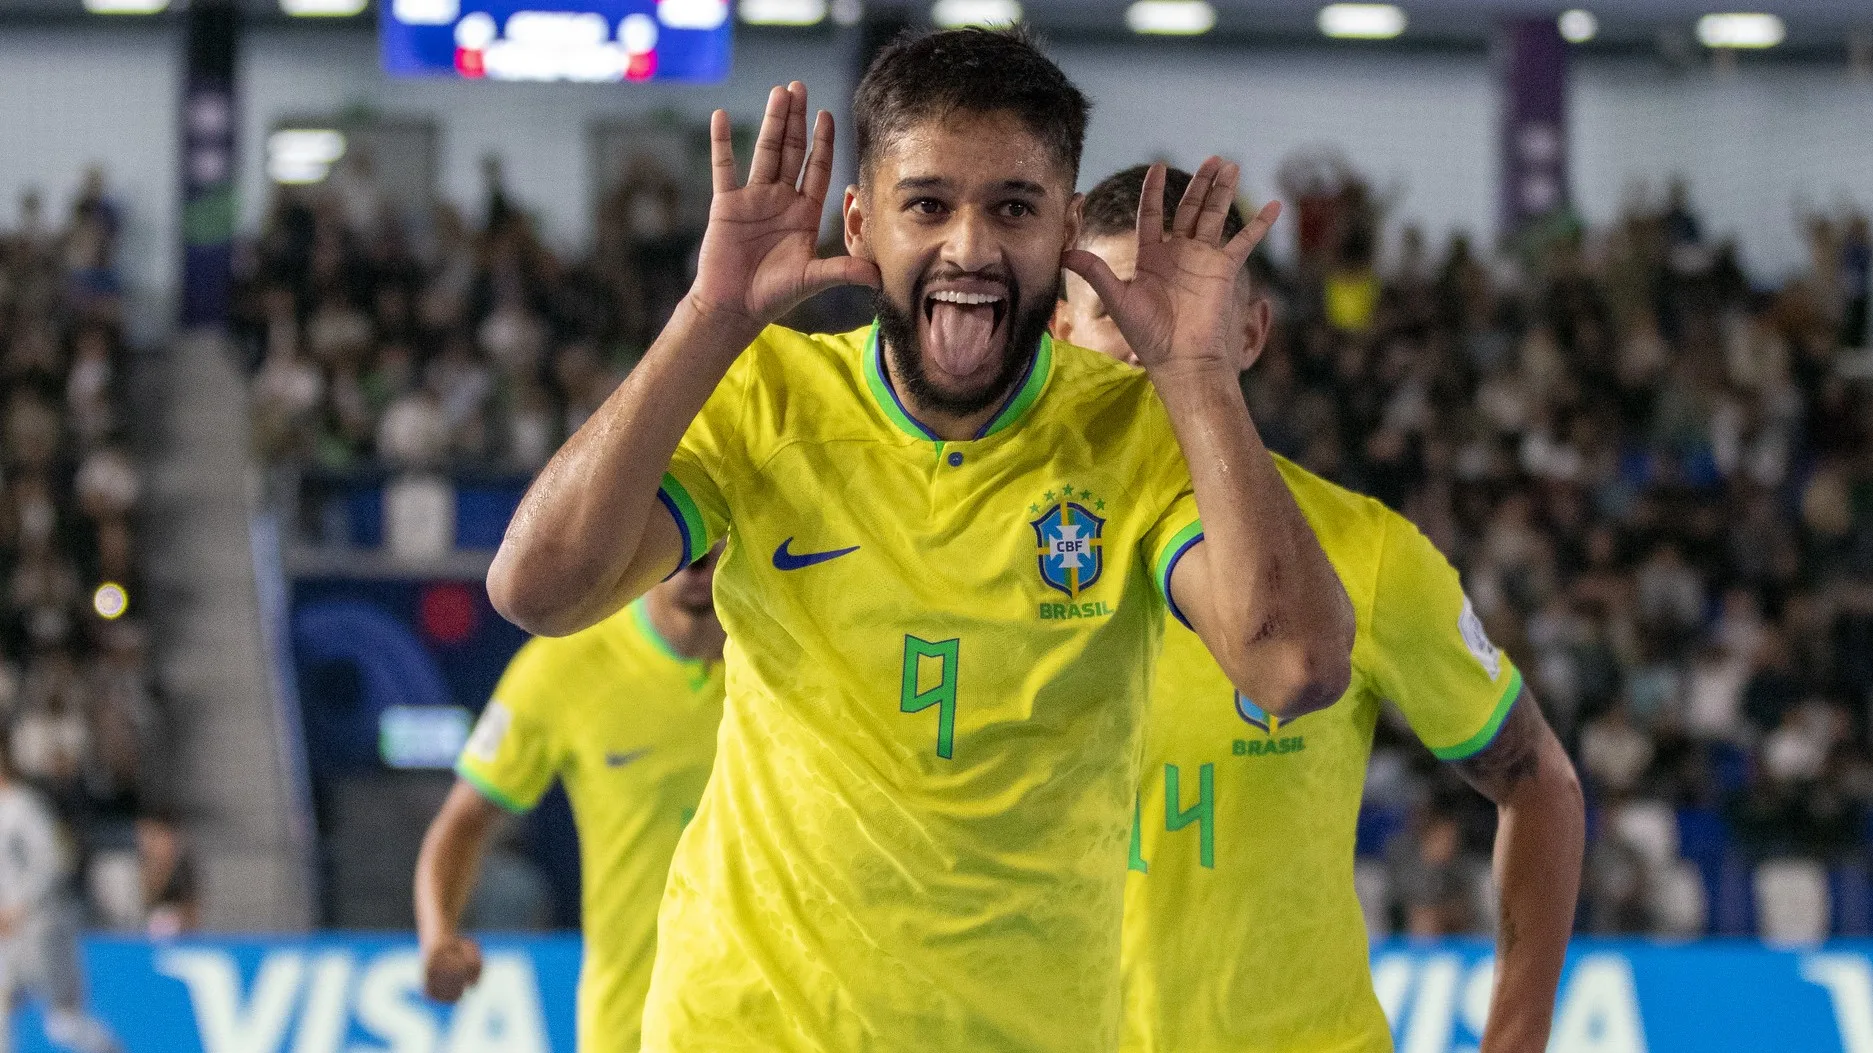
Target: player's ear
x: 1076, y: 212
x: 852, y: 213
x: 1257, y: 319
x: 1062, y: 324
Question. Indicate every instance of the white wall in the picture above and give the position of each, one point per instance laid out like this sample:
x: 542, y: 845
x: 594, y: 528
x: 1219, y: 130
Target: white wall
x: 100, y: 95
x: 1754, y: 144
x: 1420, y: 126
x: 539, y: 130
x: 1760, y: 147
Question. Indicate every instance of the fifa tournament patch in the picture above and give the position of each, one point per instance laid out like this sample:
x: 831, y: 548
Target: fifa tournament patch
x: 1477, y: 640
x: 490, y: 731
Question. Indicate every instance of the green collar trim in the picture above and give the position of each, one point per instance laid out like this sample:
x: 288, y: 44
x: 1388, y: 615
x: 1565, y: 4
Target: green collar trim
x: 640, y: 613
x: 1025, y: 395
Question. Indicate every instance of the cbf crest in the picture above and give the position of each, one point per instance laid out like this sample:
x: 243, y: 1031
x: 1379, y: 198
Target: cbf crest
x: 1069, y: 535
x: 1255, y: 715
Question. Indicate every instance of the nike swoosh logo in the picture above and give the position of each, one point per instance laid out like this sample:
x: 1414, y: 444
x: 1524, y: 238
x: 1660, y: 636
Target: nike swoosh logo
x: 619, y: 760
x: 785, y: 560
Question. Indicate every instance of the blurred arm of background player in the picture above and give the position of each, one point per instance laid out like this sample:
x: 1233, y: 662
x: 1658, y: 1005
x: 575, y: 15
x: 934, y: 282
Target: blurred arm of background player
x: 588, y: 537
x: 446, y: 871
x: 1541, y: 834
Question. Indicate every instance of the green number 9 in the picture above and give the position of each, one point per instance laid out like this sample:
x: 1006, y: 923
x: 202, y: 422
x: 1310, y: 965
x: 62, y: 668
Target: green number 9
x: 943, y: 695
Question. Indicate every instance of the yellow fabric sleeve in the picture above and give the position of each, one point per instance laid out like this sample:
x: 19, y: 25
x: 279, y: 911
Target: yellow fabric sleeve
x: 703, y: 468
x: 510, y: 758
x: 1429, y: 653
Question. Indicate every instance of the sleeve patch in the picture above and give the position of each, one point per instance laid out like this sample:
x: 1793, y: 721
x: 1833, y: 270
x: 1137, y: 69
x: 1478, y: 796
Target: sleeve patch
x: 490, y: 731
x: 1477, y: 641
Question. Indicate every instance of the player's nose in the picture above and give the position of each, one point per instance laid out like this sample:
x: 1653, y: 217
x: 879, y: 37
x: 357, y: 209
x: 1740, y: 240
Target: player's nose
x: 971, y: 245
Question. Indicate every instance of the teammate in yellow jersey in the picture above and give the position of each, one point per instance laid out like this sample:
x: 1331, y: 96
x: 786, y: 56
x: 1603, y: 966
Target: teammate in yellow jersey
x: 1242, y: 932
x: 950, y: 547
x: 625, y: 715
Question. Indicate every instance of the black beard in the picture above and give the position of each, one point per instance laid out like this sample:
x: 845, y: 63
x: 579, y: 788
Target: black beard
x: 898, y: 330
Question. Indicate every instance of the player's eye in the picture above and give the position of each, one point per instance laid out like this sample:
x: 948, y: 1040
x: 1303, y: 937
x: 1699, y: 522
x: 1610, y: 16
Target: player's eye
x: 924, y: 206
x: 1017, y: 209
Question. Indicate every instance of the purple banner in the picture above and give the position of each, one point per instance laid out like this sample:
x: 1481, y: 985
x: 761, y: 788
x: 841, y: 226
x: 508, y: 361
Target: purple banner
x: 208, y: 126
x: 1531, y: 71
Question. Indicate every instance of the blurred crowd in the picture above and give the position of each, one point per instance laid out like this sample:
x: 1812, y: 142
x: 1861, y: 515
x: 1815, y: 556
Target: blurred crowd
x: 446, y: 344
x: 1655, y: 477
x: 1652, y: 469
x: 80, y: 717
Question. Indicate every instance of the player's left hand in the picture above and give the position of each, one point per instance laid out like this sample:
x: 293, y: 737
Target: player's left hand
x: 1180, y: 307
x: 10, y: 919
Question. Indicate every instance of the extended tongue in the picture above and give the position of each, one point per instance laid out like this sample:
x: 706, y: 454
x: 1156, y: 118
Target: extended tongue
x: 962, y: 336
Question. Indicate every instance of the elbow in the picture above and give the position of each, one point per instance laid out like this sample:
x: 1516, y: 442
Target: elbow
x: 527, y: 597
x: 1316, y: 679
x: 1300, y: 677
x: 1311, y: 669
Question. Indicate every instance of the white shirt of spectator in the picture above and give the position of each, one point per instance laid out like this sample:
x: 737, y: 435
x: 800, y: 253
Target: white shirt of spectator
x: 32, y: 861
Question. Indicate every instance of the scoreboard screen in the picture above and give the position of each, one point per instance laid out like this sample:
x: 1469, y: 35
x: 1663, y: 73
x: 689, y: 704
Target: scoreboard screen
x: 570, y: 40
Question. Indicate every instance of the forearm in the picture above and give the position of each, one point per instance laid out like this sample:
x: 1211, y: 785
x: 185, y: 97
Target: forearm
x: 449, y: 864
x: 1540, y: 839
x: 1282, y: 623
x: 574, y: 552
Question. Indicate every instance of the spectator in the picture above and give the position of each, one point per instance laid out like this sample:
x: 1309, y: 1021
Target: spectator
x: 76, y: 702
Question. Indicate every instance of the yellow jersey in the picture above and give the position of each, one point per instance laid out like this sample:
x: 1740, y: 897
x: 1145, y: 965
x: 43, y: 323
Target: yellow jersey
x: 1242, y: 930
x: 938, y: 659
x: 628, y: 726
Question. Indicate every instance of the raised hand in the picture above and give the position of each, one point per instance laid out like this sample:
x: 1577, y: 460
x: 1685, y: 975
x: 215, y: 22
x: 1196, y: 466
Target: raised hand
x: 1180, y: 306
x: 758, y: 257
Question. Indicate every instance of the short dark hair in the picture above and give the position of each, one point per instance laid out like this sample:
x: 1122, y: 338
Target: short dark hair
x: 1111, y: 208
x: 925, y: 76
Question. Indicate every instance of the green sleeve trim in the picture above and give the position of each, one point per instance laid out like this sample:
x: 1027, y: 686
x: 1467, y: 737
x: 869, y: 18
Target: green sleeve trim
x: 1485, y: 735
x: 1167, y: 562
x: 489, y: 790
x: 688, y: 519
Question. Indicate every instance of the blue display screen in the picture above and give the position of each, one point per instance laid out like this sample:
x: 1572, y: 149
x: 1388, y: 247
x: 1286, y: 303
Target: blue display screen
x: 571, y: 40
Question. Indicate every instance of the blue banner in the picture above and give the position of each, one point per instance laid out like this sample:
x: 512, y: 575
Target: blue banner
x: 340, y: 994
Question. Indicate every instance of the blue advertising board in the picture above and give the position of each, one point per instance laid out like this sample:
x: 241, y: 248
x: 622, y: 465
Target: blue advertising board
x: 353, y: 994
x: 567, y: 40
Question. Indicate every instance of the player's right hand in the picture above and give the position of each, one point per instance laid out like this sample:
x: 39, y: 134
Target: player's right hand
x: 451, y: 966
x: 758, y: 255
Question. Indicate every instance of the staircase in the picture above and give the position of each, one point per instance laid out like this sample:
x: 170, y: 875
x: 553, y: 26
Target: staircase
x: 235, y: 767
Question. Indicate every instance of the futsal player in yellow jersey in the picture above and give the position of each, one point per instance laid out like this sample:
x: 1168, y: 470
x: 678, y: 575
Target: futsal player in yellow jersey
x: 1242, y: 931
x: 624, y: 715
x: 950, y: 548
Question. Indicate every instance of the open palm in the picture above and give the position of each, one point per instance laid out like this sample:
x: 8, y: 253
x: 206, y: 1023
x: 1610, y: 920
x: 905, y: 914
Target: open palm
x: 758, y: 255
x: 1180, y: 305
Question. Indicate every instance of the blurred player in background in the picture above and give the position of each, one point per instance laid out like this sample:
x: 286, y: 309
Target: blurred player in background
x: 39, y: 923
x: 625, y: 715
x: 952, y: 543
x: 1242, y: 930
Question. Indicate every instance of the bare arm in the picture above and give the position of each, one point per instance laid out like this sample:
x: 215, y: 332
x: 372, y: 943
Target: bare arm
x: 1259, y: 590
x: 588, y: 536
x: 1541, y: 832
x: 446, y: 870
